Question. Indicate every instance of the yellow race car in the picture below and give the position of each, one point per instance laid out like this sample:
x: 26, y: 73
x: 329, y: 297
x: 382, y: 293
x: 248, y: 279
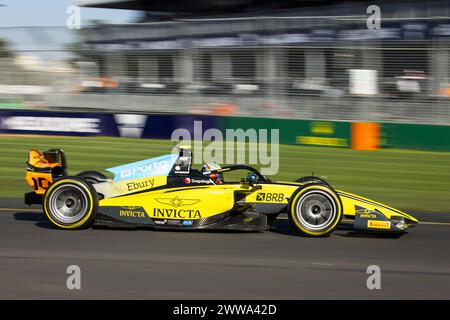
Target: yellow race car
x: 166, y: 192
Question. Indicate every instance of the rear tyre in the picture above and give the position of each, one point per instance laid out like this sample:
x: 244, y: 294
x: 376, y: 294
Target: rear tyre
x: 315, y: 210
x: 71, y: 203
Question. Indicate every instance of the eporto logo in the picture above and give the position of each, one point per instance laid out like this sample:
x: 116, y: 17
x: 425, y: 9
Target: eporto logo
x: 157, y: 165
x: 177, y: 202
x: 130, y: 125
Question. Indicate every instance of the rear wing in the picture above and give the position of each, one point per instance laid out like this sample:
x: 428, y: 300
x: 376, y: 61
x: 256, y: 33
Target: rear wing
x: 42, y: 170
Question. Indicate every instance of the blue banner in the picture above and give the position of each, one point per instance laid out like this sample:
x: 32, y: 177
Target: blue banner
x: 104, y: 124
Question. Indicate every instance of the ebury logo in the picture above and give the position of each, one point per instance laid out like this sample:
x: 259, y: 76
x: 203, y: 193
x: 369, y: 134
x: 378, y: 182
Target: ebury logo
x: 130, y: 125
x: 177, y: 213
x: 131, y: 186
x: 322, y: 127
x: 177, y: 202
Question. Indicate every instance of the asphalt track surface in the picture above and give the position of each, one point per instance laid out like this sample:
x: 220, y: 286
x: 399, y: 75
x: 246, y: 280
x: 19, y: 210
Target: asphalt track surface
x: 146, y: 264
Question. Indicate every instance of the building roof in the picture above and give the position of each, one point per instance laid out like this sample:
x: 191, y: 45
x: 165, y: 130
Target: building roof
x: 202, y: 6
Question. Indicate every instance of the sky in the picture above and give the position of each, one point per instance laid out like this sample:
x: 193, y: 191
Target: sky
x: 16, y: 13
x: 19, y: 19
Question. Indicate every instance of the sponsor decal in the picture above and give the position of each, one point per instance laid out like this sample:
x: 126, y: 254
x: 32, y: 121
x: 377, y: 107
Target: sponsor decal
x: 157, y: 165
x: 177, y: 213
x: 173, y: 222
x: 132, y: 212
x: 365, y: 213
x: 273, y: 197
x: 197, y: 181
x: 322, y: 141
x: 202, y: 181
x: 368, y: 215
x: 374, y: 224
x: 131, y: 186
x: 177, y: 202
x: 131, y: 207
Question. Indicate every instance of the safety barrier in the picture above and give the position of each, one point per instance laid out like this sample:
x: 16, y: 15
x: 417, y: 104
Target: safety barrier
x: 356, y: 135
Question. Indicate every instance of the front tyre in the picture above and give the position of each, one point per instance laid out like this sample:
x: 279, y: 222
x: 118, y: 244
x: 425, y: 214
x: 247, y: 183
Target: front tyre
x: 315, y: 210
x: 71, y: 203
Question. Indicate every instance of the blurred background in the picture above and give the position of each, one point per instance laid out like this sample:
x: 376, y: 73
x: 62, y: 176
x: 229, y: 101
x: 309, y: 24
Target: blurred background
x: 313, y: 59
x: 361, y: 102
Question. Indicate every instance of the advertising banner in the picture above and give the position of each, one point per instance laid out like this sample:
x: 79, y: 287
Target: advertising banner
x: 194, y: 127
x: 102, y: 124
x: 57, y: 123
x: 303, y: 132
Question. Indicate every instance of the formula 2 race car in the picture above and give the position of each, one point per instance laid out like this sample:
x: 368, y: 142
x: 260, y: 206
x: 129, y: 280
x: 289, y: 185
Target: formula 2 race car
x: 166, y: 192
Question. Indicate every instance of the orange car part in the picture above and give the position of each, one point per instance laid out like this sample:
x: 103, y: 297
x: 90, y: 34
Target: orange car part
x: 39, y: 171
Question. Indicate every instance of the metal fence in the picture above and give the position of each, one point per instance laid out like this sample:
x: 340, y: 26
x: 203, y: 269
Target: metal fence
x: 397, y: 80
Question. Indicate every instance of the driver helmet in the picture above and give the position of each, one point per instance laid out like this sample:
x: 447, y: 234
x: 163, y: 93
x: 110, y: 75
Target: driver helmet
x: 208, y: 168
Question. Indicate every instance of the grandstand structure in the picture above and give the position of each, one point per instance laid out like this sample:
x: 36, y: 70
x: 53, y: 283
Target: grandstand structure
x: 311, y: 59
